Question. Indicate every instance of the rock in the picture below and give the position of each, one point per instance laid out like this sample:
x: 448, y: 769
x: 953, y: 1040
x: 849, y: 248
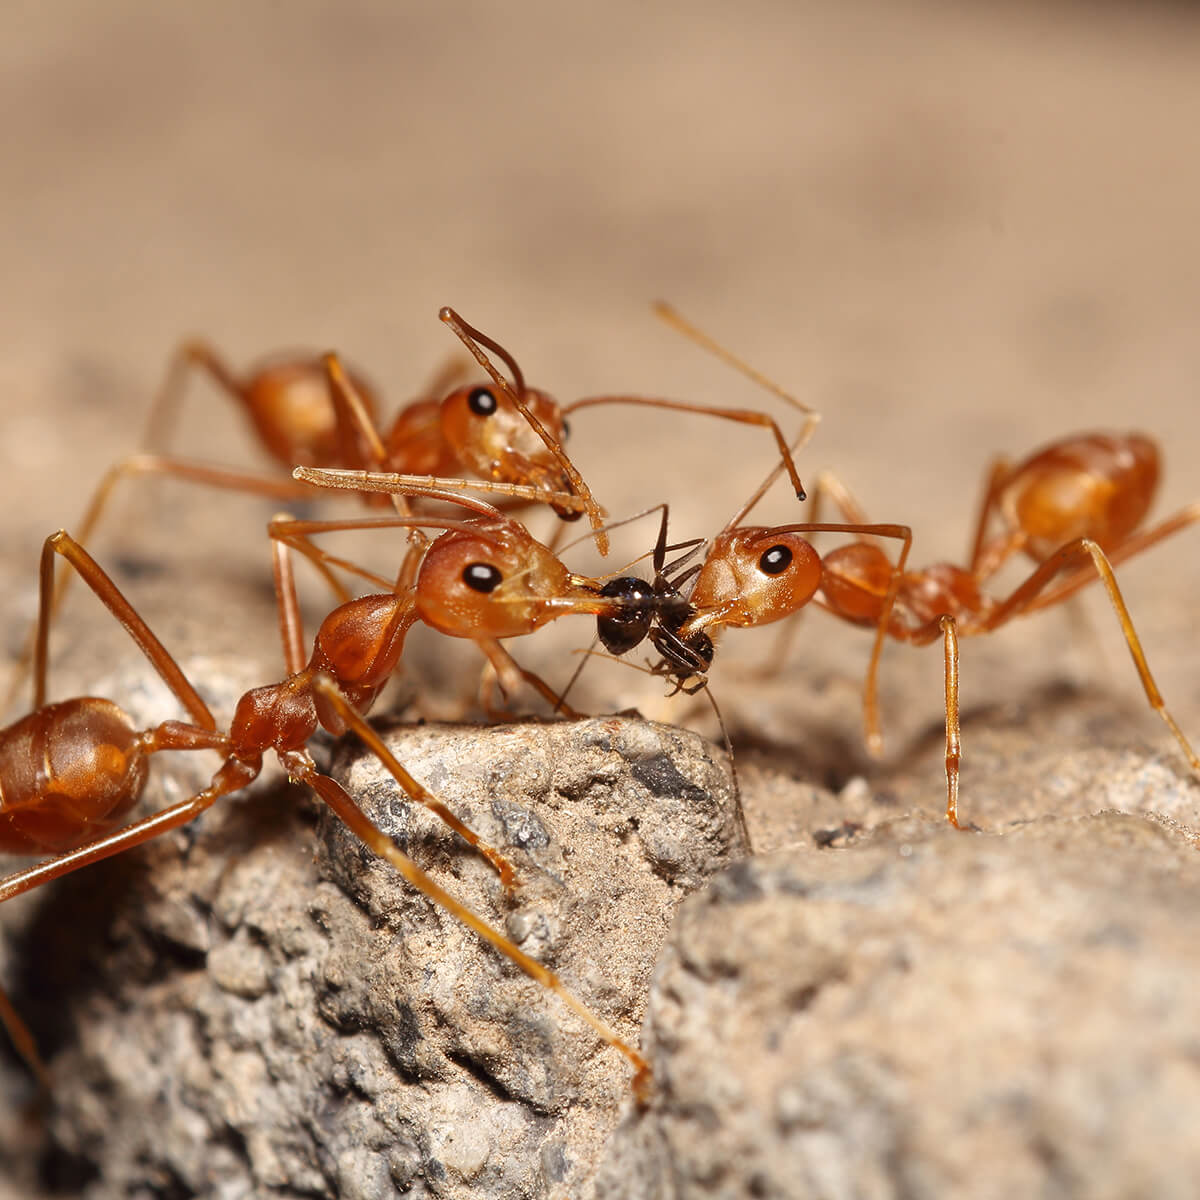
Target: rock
x: 929, y: 1014
x: 226, y: 1015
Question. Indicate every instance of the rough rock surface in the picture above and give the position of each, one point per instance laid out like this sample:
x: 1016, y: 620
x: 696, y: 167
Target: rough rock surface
x: 229, y: 1017
x: 929, y: 1014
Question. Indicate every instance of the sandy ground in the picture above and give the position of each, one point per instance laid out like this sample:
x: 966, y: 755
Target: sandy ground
x: 958, y: 232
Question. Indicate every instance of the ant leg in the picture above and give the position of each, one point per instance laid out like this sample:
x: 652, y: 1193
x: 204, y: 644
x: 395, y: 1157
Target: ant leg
x: 291, y: 624
x: 953, y: 740
x: 23, y: 1041
x: 191, y: 355
x: 1120, y: 553
x: 356, y: 428
x: 347, y: 811
x: 507, y: 667
x: 829, y: 485
x: 1022, y: 598
x: 293, y: 533
x: 985, y: 557
x: 415, y: 791
x: 111, y: 597
x: 149, y: 464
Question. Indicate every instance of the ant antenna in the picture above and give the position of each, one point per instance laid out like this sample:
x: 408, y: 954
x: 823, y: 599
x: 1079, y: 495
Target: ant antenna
x: 451, y: 318
x: 812, y: 418
x: 471, y: 338
x: 739, y: 810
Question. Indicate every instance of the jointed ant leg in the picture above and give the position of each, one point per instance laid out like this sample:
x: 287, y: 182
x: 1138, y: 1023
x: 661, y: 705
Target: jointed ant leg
x: 191, y: 355
x: 953, y: 741
x: 510, y: 674
x: 362, y: 827
x: 23, y: 1041
x: 1120, y: 553
x: 61, y: 543
x: 355, y: 427
x: 985, y: 559
x: 414, y: 790
x: 149, y: 464
x: 1022, y: 600
x: 291, y: 625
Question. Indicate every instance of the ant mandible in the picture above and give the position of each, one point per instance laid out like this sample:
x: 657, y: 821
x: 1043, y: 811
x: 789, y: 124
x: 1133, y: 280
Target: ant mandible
x: 484, y: 578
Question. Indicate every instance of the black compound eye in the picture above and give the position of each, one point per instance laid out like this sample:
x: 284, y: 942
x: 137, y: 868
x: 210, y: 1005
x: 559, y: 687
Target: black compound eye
x: 482, y: 402
x: 482, y: 577
x: 566, y: 429
x: 775, y: 561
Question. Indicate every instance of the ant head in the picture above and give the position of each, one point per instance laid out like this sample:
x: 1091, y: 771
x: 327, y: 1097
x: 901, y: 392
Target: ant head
x: 754, y: 575
x: 492, y: 437
x: 627, y: 626
x: 495, y: 581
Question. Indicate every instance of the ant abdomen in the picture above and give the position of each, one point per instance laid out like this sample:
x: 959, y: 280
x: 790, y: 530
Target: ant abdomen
x: 1097, y: 485
x: 290, y: 407
x: 70, y: 768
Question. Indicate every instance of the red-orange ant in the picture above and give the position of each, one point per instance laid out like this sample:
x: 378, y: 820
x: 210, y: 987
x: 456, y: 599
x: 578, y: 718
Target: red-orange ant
x: 69, y: 772
x: 311, y: 411
x: 1073, y: 506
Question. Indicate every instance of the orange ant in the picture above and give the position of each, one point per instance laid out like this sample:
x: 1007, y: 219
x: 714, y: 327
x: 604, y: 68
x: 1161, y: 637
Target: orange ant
x: 312, y: 411
x: 69, y: 772
x: 1074, y: 506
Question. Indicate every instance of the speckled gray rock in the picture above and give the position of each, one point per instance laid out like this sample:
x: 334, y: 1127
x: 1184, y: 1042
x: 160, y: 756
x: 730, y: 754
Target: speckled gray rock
x: 232, y: 1017
x: 930, y: 1015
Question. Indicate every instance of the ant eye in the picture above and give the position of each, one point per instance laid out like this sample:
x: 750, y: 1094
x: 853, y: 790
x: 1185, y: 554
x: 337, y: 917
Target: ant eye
x: 481, y: 402
x: 566, y: 428
x: 775, y: 561
x: 482, y: 577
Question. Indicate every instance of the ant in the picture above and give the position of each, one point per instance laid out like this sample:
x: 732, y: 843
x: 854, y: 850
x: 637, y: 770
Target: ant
x: 1074, y: 506
x: 312, y: 411
x: 69, y: 772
